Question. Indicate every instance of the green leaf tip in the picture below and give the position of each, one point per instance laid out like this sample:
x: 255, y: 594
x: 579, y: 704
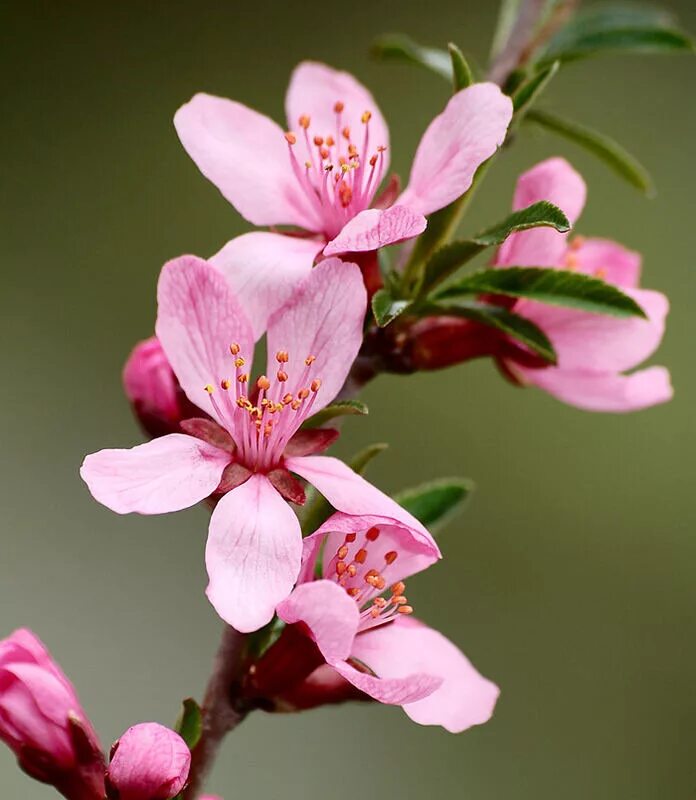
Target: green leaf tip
x: 341, y: 408
x: 436, y: 502
x: 387, y: 308
x: 190, y: 723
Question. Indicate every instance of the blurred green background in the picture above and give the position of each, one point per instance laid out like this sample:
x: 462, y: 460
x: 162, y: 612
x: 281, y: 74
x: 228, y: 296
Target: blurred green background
x: 570, y: 579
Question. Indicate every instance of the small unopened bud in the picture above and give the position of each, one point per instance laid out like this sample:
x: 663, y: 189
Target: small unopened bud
x: 149, y: 762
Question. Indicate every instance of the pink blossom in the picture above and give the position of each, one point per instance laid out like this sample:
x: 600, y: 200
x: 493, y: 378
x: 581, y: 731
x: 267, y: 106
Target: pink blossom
x: 594, y: 351
x: 323, y: 175
x: 149, y: 762
x: 42, y: 721
x: 358, y: 615
x: 248, y: 450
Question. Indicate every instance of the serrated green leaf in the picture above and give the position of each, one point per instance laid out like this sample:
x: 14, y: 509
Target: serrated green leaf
x: 558, y: 287
x: 508, y: 322
x: 602, y: 146
x: 616, y: 28
x: 445, y: 261
x: 461, y: 71
x: 399, y: 47
x: 317, y: 509
x: 435, y: 503
x: 190, y: 723
x: 530, y: 91
x: 342, y: 408
x: 386, y: 308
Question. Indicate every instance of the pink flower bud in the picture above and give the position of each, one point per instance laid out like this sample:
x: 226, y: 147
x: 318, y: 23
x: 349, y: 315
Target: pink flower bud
x: 152, y: 388
x: 42, y: 721
x: 149, y: 762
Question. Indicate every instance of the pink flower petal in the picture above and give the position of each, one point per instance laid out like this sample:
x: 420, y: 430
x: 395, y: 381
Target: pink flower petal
x: 604, y: 391
x: 324, y: 319
x: 315, y: 89
x: 149, y: 382
x: 372, y: 229
x: 264, y: 269
x: 245, y: 155
x: 456, y: 143
x: 415, y: 552
x: 166, y: 474
x: 600, y: 343
x: 253, y: 554
x: 198, y: 318
x: 352, y: 494
x: 556, y: 181
x: 394, y: 691
x: 607, y: 260
x: 463, y: 699
x: 330, y: 614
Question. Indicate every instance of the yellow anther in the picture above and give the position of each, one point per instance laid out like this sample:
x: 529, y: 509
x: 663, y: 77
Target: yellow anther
x: 361, y: 555
x: 374, y: 612
x: 263, y: 383
x: 338, y: 106
x: 310, y: 360
x: 346, y: 133
x: 324, y: 152
x: 330, y: 141
x: 391, y: 556
x: 341, y: 567
x: 235, y: 348
x: 405, y: 610
x: 209, y: 388
x: 380, y: 602
x: 282, y: 357
x: 282, y: 375
x: 290, y: 137
x: 353, y: 591
x: 342, y: 551
x: 351, y: 537
x: 295, y: 405
x: 224, y: 384
x: 398, y: 588
x: 304, y: 121
x: 366, y: 117
x: 308, y: 164
x: 287, y: 399
x: 243, y: 378
x: 303, y: 394
x: 239, y: 362
x: 373, y: 161
x: 315, y: 385
x: 318, y: 141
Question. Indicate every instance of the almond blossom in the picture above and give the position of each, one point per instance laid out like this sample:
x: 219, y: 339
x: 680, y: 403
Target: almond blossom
x: 322, y: 175
x: 351, y: 600
x: 248, y: 448
x: 594, y: 351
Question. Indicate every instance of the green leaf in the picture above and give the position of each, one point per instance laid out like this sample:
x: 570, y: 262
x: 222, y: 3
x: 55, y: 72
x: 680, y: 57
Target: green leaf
x: 616, y: 28
x: 530, y: 91
x: 317, y: 509
x: 559, y: 287
x: 342, y: 408
x: 399, y: 47
x: 451, y: 256
x: 386, y: 308
x: 190, y: 723
x: 461, y: 72
x: 500, y: 318
x: 602, y: 146
x: 437, y: 502
x: 360, y: 460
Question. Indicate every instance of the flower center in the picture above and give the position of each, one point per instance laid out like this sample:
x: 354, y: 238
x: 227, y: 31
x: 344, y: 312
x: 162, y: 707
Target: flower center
x: 359, y: 566
x: 262, y: 427
x: 339, y: 177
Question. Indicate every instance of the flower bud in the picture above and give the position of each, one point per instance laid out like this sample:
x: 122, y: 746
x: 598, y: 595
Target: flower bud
x: 437, y: 342
x: 43, y: 723
x: 149, y: 762
x: 153, y: 390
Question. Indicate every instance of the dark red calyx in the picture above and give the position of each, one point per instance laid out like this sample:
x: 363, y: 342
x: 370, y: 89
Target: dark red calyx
x: 233, y: 475
x: 209, y: 431
x: 310, y: 441
x: 288, y: 486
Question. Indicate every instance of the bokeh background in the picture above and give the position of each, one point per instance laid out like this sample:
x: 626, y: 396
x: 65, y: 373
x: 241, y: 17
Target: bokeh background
x: 570, y: 579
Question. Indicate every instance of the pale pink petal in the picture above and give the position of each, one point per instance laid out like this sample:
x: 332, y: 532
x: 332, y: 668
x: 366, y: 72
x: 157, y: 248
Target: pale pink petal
x: 245, y: 155
x: 456, y: 143
x: 465, y: 697
x: 603, y: 391
x: 323, y: 319
x: 372, y: 229
x: 166, y: 474
x: 556, y: 181
x: 330, y: 614
x: 198, y: 318
x: 607, y: 260
x: 253, y: 554
x: 315, y: 89
x: 352, y: 494
x: 395, y: 691
x: 149, y: 382
x: 415, y: 552
x: 264, y: 269
x: 597, y: 342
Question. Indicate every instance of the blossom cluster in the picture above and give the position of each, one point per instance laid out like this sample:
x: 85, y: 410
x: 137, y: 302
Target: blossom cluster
x: 327, y: 602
